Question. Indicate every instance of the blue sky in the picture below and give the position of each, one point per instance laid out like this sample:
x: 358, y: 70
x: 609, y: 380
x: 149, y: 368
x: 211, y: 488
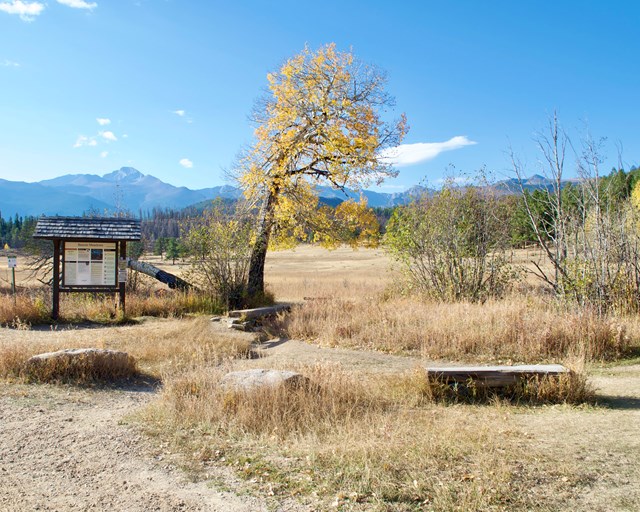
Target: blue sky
x: 165, y: 86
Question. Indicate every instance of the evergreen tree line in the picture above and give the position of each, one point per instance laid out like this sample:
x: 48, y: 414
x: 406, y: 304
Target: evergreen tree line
x: 161, y: 225
x: 16, y: 231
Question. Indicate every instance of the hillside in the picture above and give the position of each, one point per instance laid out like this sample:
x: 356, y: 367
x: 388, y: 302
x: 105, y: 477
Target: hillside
x: 129, y: 189
x: 35, y: 199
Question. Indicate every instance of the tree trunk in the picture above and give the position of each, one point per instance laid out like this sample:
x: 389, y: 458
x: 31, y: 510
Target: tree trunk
x: 173, y: 282
x: 255, y: 285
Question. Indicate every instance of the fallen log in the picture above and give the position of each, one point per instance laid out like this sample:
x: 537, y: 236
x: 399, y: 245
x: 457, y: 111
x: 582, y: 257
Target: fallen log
x: 172, y: 281
x: 493, y: 376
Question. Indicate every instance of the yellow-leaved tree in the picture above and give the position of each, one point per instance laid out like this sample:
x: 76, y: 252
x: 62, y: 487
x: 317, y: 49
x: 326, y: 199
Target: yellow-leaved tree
x: 321, y: 123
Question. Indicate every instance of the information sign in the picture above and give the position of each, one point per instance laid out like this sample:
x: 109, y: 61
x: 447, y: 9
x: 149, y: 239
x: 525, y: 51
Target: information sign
x: 12, y: 261
x: 89, y: 264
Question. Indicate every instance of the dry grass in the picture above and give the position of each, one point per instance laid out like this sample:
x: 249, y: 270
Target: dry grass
x: 569, y: 388
x: 310, y: 271
x: 32, y: 306
x: 158, y: 346
x: 164, y: 303
x: 354, y: 441
x: 23, y: 309
x: 359, y: 441
x: 354, y: 307
x: 186, y: 344
x: 517, y: 329
x: 15, y: 364
x: 331, y: 398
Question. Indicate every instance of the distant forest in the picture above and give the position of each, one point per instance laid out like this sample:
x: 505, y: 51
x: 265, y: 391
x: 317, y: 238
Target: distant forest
x: 16, y: 231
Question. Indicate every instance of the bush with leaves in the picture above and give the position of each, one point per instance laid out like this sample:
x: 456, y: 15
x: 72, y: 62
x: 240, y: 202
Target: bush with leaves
x: 451, y: 244
x: 219, y: 248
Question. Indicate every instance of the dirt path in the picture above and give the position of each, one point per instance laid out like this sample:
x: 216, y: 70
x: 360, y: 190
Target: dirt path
x: 602, y: 442
x: 64, y: 448
x: 67, y: 449
x: 287, y: 353
x: 71, y: 449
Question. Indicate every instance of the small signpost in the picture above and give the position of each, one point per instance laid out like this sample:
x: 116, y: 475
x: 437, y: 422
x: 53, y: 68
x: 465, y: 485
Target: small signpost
x: 89, y: 254
x: 12, y: 263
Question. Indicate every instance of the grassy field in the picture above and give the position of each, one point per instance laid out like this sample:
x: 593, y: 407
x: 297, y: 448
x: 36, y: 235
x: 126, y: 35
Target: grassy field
x: 370, y: 433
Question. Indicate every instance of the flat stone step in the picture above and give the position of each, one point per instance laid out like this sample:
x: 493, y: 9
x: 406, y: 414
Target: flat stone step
x: 494, y: 376
x: 250, y: 314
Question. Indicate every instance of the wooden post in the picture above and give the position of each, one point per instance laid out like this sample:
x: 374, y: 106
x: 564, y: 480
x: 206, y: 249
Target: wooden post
x: 121, y: 283
x: 56, y: 279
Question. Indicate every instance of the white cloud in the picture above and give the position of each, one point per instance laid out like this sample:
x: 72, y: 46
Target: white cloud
x: 110, y: 136
x: 104, y: 154
x: 78, y: 4
x: 103, y: 121
x: 26, y: 10
x: 411, y: 154
x: 179, y: 113
x: 83, y: 140
x: 186, y: 163
x: 6, y: 63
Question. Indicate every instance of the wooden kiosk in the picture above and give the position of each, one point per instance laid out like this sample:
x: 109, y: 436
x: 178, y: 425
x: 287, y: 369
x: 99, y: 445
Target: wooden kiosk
x: 89, y: 254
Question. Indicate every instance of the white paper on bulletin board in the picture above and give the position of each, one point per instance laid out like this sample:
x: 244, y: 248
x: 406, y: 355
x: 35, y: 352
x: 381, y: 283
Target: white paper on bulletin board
x: 89, y: 264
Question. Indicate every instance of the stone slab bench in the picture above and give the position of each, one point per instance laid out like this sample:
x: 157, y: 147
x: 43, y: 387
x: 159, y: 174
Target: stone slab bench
x: 494, y: 376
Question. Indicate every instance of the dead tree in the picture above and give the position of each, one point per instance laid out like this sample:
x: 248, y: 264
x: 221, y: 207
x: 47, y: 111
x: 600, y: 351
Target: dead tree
x: 172, y: 281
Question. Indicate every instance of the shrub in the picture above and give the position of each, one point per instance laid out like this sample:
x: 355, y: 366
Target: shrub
x: 219, y: 245
x: 451, y: 245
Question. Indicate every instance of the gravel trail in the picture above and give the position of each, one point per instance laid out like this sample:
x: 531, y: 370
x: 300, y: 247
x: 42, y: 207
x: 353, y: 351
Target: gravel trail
x: 67, y: 449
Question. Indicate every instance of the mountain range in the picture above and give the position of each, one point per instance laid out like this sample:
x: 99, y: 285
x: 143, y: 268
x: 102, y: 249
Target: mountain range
x: 129, y: 189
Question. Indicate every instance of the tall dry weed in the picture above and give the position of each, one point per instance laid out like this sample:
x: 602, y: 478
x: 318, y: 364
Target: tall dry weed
x: 23, y: 309
x: 32, y: 306
x: 158, y: 346
x: 354, y: 441
x: 517, y: 329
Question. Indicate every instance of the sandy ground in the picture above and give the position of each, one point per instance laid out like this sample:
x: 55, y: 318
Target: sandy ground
x: 72, y: 449
x: 67, y: 449
x: 604, y: 440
